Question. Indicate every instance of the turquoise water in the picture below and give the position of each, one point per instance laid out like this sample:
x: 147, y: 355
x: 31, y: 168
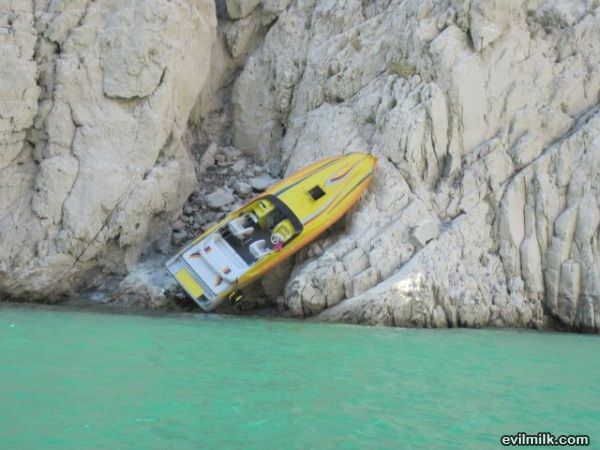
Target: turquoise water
x: 91, y: 380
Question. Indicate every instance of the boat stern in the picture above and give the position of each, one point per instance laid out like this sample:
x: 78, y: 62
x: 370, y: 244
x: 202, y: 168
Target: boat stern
x: 190, y: 282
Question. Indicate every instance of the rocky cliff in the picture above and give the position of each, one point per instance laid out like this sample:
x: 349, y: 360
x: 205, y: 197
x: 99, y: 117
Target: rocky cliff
x: 94, y: 100
x: 484, y: 114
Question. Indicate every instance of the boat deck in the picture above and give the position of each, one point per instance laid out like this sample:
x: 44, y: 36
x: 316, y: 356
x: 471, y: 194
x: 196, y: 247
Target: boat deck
x: 242, y: 247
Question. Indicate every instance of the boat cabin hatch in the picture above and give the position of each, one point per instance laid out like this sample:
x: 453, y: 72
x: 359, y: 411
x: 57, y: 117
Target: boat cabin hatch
x: 316, y: 193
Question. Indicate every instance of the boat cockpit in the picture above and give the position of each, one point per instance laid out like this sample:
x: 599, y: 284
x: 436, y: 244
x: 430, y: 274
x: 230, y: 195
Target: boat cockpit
x: 264, y: 226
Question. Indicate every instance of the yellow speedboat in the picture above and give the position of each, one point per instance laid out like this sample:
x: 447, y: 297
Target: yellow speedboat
x: 250, y: 241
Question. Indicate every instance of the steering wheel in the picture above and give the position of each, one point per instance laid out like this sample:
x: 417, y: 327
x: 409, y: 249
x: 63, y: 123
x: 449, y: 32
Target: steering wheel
x: 275, y: 238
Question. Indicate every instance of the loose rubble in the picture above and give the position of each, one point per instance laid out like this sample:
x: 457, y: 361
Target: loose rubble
x: 223, y: 186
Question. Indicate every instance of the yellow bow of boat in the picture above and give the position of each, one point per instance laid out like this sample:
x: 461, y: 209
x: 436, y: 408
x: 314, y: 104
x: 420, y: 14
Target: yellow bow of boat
x: 253, y: 239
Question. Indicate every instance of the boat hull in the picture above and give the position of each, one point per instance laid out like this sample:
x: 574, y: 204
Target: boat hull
x: 315, y: 198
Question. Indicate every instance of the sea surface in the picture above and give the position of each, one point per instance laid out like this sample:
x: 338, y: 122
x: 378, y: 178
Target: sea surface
x: 89, y: 380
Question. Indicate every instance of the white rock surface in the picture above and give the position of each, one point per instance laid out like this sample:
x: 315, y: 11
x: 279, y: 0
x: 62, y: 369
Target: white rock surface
x: 208, y: 157
x: 146, y: 286
x: 242, y: 188
x: 219, y: 198
x: 242, y: 34
x: 241, y: 8
x: 484, y: 209
x: 238, y: 166
x: 92, y: 164
x: 262, y: 182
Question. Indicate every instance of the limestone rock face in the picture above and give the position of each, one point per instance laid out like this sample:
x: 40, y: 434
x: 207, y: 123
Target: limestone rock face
x: 238, y: 9
x: 94, y: 99
x: 484, y: 210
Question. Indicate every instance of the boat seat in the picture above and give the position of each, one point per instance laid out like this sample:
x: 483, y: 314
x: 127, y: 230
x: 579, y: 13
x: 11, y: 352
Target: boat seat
x: 238, y: 228
x: 261, y: 209
x: 283, y: 231
x: 259, y: 248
